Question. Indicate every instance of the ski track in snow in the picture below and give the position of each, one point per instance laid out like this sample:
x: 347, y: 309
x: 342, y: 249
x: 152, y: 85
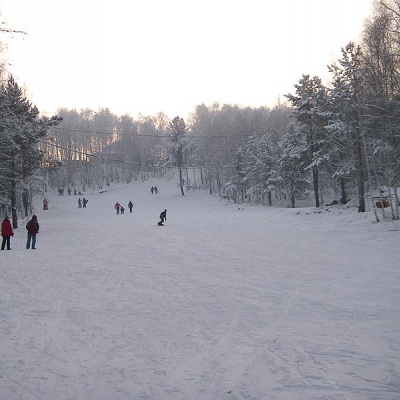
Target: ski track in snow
x: 225, y: 302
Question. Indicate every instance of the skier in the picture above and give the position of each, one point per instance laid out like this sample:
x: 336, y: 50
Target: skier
x: 6, y: 232
x: 33, y: 228
x: 163, y: 217
x: 130, y: 206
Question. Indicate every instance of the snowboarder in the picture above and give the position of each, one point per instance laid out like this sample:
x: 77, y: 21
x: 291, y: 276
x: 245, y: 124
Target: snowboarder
x: 163, y: 217
x: 130, y: 206
x: 117, y: 207
x: 33, y: 228
x: 6, y: 232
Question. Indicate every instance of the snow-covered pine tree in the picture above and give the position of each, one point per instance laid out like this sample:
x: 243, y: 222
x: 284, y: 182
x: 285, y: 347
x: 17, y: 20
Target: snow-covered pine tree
x: 262, y: 166
x: 176, y: 135
x: 348, y: 100
x: 20, y: 131
x: 309, y: 111
x: 293, y: 162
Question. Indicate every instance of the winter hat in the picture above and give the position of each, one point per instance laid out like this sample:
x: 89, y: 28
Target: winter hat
x: 34, y: 217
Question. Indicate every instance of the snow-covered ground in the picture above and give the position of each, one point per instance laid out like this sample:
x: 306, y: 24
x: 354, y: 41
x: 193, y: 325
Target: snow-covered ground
x: 224, y: 302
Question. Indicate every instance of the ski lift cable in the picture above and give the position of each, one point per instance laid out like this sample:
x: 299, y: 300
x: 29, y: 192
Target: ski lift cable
x: 132, y: 134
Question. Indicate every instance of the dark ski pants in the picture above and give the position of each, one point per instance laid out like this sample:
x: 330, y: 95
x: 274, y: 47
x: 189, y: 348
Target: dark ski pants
x: 6, y: 240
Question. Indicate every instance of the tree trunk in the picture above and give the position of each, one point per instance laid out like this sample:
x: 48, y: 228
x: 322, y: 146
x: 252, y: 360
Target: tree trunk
x: 343, y: 198
x: 181, y: 181
x: 360, y: 174
x: 316, y: 185
x: 14, y: 205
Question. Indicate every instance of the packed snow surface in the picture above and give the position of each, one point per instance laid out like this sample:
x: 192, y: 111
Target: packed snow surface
x: 225, y: 302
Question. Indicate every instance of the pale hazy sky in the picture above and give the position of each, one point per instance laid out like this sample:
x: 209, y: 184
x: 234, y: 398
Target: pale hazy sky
x: 145, y: 56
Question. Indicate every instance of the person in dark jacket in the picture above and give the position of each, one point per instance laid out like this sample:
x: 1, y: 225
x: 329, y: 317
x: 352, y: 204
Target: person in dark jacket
x: 130, y: 205
x: 163, y: 217
x: 33, y: 228
x: 6, y: 232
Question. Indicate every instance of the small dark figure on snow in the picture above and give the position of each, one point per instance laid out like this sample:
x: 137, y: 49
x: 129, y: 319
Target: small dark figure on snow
x: 6, y: 232
x: 152, y: 190
x: 84, y: 201
x: 130, y: 206
x: 117, y: 206
x: 79, y: 203
x: 156, y: 190
x: 45, y: 204
x: 33, y: 228
x: 122, y: 210
x: 163, y: 217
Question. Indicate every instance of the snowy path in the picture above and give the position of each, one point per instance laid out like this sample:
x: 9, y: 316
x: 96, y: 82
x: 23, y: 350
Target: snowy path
x: 224, y: 302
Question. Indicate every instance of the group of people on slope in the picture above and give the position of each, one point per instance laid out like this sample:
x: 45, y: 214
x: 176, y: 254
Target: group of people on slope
x: 32, y: 227
x: 82, y: 202
x: 154, y: 190
x: 120, y: 209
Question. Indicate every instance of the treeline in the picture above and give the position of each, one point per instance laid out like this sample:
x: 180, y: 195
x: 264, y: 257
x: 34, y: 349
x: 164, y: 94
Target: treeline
x: 98, y: 148
x: 335, y: 141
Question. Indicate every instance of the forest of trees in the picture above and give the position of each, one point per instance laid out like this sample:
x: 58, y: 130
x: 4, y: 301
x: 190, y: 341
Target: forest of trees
x: 334, y: 141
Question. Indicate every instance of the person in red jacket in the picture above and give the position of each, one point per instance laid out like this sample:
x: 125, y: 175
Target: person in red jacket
x: 33, y: 228
x: 6, y: 232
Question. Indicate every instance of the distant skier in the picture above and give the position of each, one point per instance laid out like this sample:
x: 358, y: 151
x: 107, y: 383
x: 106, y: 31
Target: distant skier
x: 163, y: 217
x: 117, y: 206
x: 130, y: 206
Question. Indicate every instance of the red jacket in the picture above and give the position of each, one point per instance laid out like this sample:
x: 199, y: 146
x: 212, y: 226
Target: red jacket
x: 6, y: 228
